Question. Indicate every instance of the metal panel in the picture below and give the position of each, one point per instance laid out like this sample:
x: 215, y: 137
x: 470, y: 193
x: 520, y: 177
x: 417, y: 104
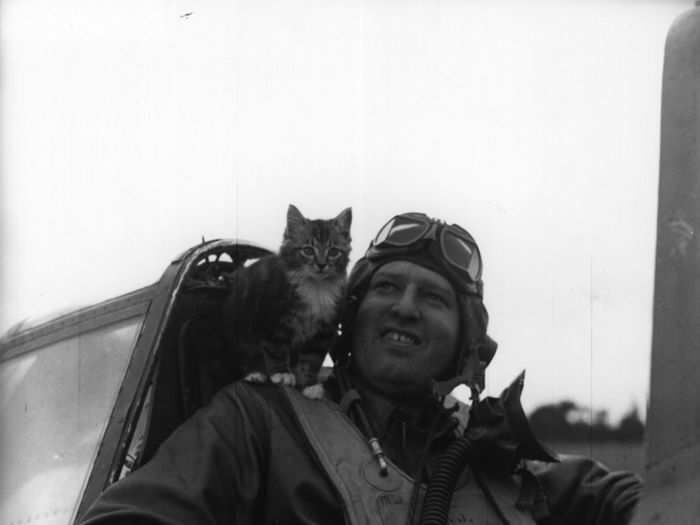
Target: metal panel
x: 673, y: 419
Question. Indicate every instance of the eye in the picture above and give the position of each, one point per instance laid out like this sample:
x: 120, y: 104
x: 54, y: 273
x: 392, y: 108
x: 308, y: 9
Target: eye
x: 436, y: 298
x: 384, y: 285
x: 308, y: 251
x: 334, y: 253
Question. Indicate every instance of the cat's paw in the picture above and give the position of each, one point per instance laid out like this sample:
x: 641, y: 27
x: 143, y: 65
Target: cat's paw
x: 255, y: 377
x: 314, y: 391
x: 283, y: 378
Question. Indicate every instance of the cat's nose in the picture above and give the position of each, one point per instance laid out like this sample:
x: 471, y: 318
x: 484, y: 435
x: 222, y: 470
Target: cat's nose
x: 321, y: 266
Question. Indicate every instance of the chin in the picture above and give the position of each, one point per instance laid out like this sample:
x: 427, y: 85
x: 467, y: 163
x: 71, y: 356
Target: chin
x: 410, y: 393
x: 402, y: 386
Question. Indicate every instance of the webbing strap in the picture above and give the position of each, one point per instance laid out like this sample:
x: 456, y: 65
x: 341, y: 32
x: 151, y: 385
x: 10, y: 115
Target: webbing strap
x: 368, y: 498
x: 371, y: 499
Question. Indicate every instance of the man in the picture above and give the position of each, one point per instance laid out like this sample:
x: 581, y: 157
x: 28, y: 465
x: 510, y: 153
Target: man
x: 413, y: 326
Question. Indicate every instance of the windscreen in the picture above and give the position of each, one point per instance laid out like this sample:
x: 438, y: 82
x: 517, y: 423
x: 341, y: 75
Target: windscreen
x: 54, y: 406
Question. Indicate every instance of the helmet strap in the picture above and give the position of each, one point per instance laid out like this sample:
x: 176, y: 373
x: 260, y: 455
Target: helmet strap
x: 471, y: 375
x: 442, y: 388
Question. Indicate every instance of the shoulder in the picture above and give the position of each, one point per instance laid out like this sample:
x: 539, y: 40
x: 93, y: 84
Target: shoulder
x: 263, y: 407
x: 583, y: 490
x: 259, y: 400
x: 237, y: 407
x: 577, y: 469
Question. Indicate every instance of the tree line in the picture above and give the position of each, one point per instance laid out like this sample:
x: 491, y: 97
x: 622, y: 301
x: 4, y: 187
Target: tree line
x: 567, y: 421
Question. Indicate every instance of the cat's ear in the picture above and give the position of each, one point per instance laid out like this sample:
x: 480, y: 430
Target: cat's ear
x: 344, y: 219
x: 294, y: 217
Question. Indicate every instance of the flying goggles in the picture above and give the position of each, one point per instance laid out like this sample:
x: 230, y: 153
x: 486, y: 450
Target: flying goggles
x: 450, y: 246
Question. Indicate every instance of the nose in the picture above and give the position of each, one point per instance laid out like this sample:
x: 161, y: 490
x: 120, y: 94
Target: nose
x: 405, y: 305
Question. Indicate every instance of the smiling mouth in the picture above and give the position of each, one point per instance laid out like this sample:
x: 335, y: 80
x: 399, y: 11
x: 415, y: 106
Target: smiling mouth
x: 400, y: 337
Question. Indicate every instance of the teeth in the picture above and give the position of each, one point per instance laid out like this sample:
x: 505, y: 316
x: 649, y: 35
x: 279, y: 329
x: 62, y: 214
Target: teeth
x: 401, y: 338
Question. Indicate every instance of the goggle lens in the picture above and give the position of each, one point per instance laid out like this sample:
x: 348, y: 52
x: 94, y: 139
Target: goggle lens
x: 462, y: 254
x: 456, y: 244
x: 401, y: 231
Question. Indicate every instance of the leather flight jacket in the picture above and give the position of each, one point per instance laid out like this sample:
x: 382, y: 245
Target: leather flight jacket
x: 372, y: 499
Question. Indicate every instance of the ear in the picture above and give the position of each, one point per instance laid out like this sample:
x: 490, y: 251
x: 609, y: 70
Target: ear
x: 294, y: 216
x: 344, y: 219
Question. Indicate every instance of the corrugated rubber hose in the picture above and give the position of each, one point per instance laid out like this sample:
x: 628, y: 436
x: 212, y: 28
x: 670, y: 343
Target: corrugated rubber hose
x: 438, y: 497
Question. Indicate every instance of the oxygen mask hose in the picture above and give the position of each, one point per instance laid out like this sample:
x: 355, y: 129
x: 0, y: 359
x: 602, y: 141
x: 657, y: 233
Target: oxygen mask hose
x: 496, y: 439
x: 438, y: 497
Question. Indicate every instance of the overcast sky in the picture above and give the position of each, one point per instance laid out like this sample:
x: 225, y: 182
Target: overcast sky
x: 131, y: 129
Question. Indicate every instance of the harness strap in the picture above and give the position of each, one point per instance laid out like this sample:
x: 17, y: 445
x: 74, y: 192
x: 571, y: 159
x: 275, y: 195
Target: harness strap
x: 369, y: 498
x: 337, y: 444
x: 350, y: 398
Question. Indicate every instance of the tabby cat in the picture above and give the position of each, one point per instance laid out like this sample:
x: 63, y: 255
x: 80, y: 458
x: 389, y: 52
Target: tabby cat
x: 280, y: 315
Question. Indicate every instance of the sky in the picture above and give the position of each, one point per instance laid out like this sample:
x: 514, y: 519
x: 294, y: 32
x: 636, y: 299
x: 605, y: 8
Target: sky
x: 129, y: 131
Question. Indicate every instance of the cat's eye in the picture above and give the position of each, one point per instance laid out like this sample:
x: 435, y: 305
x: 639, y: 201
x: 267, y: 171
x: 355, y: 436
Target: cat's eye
x: 334, y: 253
x: 308, y: 251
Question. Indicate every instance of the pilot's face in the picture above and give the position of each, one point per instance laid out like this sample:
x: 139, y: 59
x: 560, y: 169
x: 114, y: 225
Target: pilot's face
x: 406, y: 329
